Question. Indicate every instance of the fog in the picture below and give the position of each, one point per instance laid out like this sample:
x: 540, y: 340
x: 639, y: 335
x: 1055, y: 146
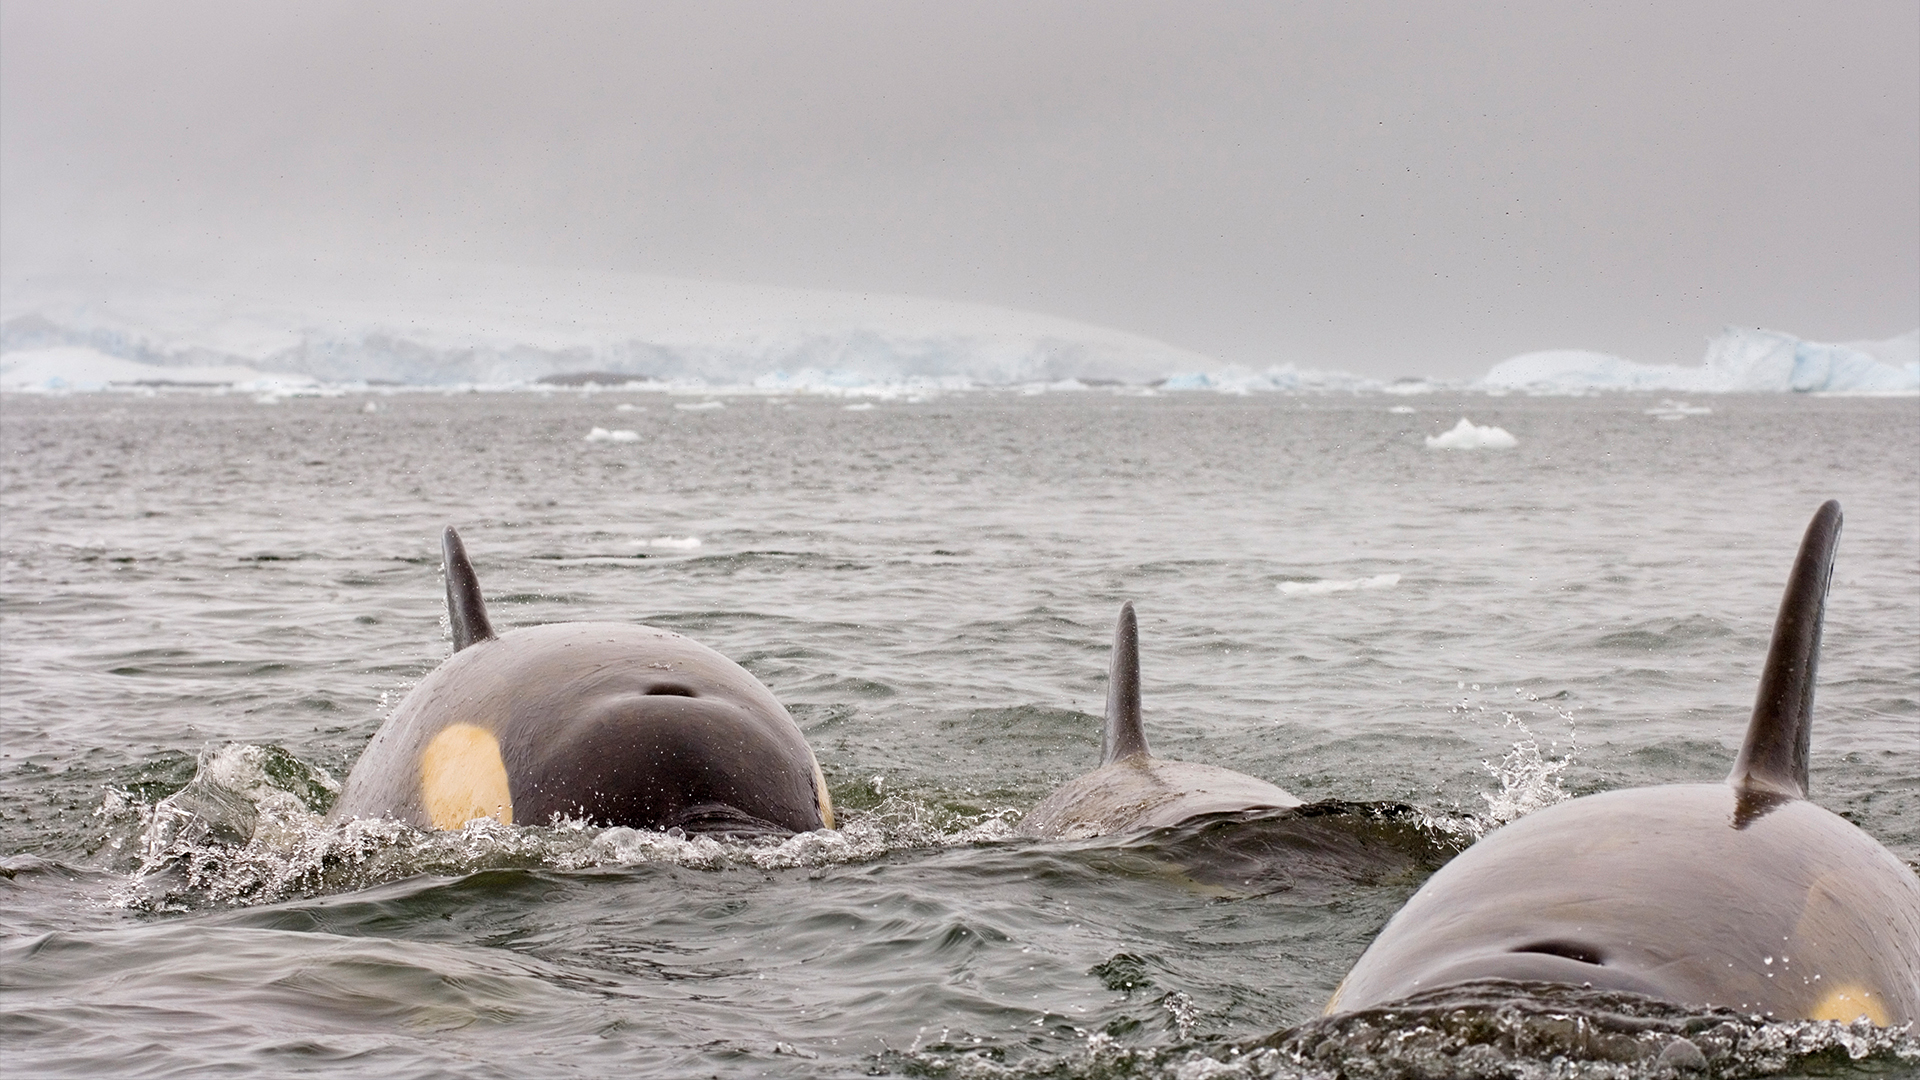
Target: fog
x: 1385, y: 191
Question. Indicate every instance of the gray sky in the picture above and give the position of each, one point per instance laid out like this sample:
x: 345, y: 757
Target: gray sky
x: 1389, y: 189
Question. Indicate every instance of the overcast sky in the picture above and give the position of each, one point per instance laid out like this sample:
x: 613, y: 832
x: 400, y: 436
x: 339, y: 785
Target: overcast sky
x: 1390, y: 188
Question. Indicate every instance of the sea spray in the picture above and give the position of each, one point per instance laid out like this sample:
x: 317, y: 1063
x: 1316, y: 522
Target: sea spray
x: 249, y: 828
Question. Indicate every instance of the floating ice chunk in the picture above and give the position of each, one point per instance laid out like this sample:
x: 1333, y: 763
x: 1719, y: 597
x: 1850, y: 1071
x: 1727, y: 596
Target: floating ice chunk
x: 1467, y: 435
x: 699, y: 406
x: 676, y: 543
x: 370, y: 407
x: 628, y: 406
x: 601, y: 434
x: 1678, y: 410
x: 858, y: 406
x: 1323, y: 586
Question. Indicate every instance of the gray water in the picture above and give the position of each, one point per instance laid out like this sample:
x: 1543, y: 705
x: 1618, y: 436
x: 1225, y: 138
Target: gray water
x: 210, y: 603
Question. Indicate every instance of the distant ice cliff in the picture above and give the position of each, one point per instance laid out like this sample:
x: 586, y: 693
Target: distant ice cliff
x: 286, y: 331
x: 451, y: 324
x: 1739, y: 360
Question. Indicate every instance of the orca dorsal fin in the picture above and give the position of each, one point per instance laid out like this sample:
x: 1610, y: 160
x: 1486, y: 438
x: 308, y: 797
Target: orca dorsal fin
x: 466, y: 610
x: 1773, y: 759
x: 1124, y: 737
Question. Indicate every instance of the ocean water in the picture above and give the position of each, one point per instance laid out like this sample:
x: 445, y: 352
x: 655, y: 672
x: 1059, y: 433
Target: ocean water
x: 209, y: 604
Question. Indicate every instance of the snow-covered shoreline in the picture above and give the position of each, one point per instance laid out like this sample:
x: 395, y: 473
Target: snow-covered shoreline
x: 456, y: 326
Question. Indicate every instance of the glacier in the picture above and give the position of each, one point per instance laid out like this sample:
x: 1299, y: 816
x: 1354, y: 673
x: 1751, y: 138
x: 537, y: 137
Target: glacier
x: 444, y: 324
x: 71, y: 367
x: 1738, y: 360
x: 288, y: 330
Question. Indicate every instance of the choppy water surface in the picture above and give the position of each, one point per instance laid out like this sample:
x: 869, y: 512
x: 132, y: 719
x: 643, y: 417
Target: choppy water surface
x: 210, y: 603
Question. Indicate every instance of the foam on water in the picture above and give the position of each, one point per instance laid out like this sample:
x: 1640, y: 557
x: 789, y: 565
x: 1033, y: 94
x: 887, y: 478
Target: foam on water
x: 1327, y: 585
x: 250, y: 828
x: 1467, y: 435
x: 1478, y: 1030
x: 673, y: 543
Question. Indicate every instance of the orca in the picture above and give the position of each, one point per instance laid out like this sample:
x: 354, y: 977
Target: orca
x: 612, y: 723
x: 1132, y: 789
x: 1742, y: 894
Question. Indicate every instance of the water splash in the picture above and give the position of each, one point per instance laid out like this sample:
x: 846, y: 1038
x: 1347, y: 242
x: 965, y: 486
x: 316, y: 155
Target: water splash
x: 249, y: 828
x: 1184, y: 1013
x: 1520, y: 1032
x: 1529, y: 774
x: 1529, y: 778
x: 1527, y: 1030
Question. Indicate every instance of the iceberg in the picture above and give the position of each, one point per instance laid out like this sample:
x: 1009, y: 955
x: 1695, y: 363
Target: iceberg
x: 1738, y: 360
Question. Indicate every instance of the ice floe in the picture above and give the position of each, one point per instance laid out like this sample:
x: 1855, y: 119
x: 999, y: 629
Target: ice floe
x: 1467, y: 435
x: 601, y: 434
x: 1326, y: 585
x: 1669, y: 409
